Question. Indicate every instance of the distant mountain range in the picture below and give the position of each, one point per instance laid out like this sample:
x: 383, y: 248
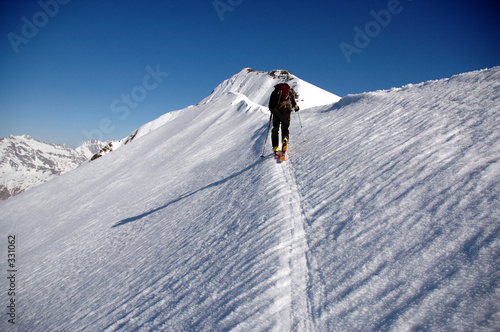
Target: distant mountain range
x: 26, y: 162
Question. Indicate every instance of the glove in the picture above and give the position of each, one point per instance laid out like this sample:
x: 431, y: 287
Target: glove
x: 297, y: 108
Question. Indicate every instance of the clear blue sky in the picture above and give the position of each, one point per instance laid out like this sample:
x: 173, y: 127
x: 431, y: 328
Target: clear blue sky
x: 69, y: 74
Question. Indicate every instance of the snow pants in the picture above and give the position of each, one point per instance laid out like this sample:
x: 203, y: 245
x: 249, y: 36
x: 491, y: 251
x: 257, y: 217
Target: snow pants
x: 280, y: 117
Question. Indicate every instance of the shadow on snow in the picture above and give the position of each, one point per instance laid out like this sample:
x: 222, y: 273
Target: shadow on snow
x: 186, y: 195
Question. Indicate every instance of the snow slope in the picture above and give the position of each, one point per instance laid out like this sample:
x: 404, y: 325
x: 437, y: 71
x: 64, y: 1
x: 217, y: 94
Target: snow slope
x: 386, y: 218
x: 26, y: 162
x: 250, y: 87
x: 256, y: 86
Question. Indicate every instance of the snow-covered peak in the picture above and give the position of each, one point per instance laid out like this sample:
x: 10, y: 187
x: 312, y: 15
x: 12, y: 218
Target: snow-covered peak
x: 89, y: 148
x: 258, y: 85
x: 250, y: 87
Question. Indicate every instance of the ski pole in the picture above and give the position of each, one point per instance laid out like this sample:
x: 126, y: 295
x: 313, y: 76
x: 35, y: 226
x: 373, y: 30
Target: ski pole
x: 300, y: 121
x: 267, y: 134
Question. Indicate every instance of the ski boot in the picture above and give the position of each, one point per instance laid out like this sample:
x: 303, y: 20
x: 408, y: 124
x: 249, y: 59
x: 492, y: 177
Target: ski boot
x: 284, y: 148
x: 276, y: 152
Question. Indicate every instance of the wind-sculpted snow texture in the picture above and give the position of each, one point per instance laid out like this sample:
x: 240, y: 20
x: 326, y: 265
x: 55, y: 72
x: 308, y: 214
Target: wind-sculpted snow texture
x: 385, y: 219
x: 404, y: 229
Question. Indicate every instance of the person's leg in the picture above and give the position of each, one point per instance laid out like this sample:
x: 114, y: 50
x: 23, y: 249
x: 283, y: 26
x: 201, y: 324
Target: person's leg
x: 285, y: 132
x: 275, y: 133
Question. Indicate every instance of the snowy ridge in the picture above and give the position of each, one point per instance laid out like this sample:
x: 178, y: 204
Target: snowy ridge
x: 26, y: 162
x: 250, y: 88
x: 386, y: 218
x: 255, y: 85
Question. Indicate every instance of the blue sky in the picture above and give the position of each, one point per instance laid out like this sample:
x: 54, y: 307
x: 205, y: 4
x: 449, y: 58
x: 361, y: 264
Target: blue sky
x: 67, y: 66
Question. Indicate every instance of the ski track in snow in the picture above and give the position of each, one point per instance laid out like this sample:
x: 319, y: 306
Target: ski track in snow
x: 292, y: 278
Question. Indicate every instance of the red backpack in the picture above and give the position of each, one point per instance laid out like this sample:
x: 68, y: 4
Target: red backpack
x: 281, y: 98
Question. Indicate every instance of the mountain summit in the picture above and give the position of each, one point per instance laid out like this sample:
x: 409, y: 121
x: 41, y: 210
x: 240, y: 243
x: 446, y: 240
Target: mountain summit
x: 249, y: 88
x: 385, y: 219
x: 257, y: 86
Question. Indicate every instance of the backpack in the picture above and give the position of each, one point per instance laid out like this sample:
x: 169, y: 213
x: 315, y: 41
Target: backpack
x: 281, y: 98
